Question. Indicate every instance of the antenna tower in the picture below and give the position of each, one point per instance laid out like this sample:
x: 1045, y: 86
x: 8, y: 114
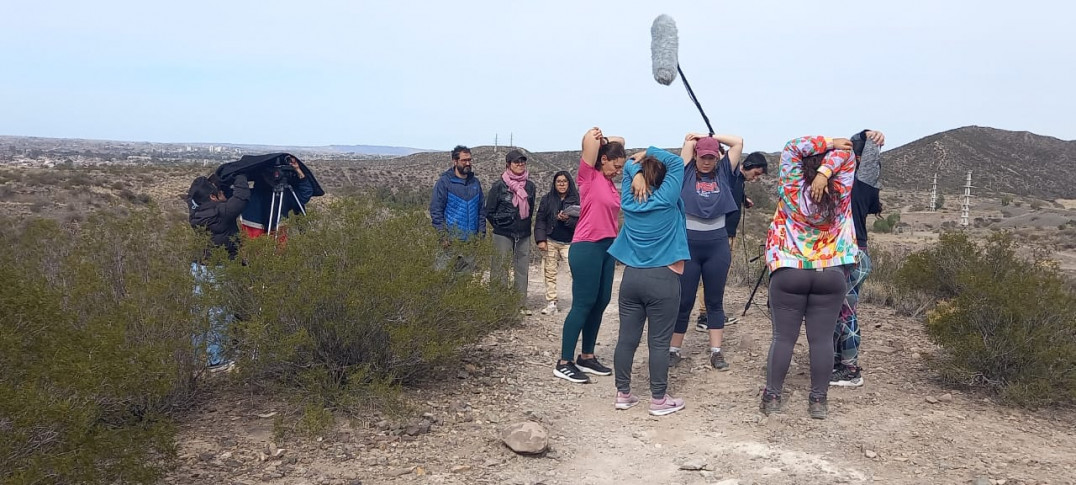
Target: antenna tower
x: 966, y: 207
x: 933, y: 194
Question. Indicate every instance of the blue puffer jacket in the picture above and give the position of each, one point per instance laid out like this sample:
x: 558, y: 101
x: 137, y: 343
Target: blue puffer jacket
x: 457, y: 205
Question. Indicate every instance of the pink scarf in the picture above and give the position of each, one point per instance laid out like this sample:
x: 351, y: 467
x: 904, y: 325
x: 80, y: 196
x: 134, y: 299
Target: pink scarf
x: 518, y: 185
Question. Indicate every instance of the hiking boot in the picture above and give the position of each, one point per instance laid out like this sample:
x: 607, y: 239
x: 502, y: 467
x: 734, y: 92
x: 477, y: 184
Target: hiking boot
x: 592, y: 366
x: 731, y: 320
x: 817, y: 408
x: 625, y: 401
x: 771, y: 403
x: 525, y: 312
x: 569, y: 372
x: 717, y: 359
x: 675, y: 358
x: 550, y: 309
x: 667, y: 405
x: 701, y: 324
x: 846, y: 376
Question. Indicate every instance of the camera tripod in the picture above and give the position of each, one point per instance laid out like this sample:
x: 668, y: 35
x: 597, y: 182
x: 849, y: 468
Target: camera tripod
x: 762, y: 274
x: 276, y: 205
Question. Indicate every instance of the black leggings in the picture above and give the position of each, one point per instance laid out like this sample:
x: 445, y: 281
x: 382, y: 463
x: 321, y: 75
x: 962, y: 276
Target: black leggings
x: 710, y: 260
x: 798, y: 295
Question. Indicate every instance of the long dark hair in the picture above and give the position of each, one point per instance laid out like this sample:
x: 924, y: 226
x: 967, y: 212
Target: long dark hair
x: 573, y: 193
x: 826, y: 209
x: 612, y: 151
x: 653, y: 171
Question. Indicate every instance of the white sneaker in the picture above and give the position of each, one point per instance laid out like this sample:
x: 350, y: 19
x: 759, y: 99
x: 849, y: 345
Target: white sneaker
x: 226, y: 367
x: 550, y: 309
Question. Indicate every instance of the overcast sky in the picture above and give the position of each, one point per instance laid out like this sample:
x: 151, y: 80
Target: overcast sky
x: 434, y: 74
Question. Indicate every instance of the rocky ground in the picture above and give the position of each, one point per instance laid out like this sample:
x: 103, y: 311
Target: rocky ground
x: 900, y: 427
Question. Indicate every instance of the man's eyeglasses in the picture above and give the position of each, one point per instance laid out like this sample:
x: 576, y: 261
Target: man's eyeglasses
x: 464, y: 160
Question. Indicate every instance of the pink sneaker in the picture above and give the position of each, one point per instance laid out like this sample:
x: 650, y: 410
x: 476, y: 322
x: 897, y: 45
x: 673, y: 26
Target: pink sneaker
x: 625, y: 401
x: 667, y: 405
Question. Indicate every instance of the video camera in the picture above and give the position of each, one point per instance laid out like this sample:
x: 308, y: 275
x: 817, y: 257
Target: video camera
x: 269, y: 172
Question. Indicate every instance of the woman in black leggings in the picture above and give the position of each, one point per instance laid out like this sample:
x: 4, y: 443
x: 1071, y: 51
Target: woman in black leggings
x: 808, y: 247
x: 707, y: 197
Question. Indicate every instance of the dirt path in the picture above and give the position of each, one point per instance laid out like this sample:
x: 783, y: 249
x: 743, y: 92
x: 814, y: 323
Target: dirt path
x: 884, y: 432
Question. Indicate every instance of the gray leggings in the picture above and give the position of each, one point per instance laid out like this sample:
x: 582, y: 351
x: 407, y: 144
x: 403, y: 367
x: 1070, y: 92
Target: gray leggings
x: 796, y: 296
x: 647, y: 294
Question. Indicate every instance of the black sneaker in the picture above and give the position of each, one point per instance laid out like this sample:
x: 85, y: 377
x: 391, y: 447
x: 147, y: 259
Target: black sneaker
x: 731, y: 320
x: 717, y: 359
x: 592, y: 366
x: 675, y: 358
x: 570, y: 373
x: 817, y: 408
x: 771, y: 403
x: 846, y: 376
x: 701, y: 324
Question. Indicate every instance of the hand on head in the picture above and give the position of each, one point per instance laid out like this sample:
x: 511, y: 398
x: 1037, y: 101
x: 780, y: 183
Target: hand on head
x: 819, y: 186
x: 842, y: 144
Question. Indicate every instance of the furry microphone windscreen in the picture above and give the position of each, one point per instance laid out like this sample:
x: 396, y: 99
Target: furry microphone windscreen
x: 663, y: 47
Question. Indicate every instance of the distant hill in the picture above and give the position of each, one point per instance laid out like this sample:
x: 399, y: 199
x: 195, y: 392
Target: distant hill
x: 89, y: 148
x: 1016, y: 162
x: 375, y: 150
x: 422, y: 169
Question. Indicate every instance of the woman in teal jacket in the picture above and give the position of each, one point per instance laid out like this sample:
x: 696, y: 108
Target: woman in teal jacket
x: 653, y: 245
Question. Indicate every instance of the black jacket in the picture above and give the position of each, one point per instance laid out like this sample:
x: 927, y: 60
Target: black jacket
x: 551, y: 204
x: 219, y: 217
x: 504, y: 217
x: 865, y: 201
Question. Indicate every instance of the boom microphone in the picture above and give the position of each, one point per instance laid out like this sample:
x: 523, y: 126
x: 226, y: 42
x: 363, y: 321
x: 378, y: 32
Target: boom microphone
x: 663, y: 55
x: 663, y: 49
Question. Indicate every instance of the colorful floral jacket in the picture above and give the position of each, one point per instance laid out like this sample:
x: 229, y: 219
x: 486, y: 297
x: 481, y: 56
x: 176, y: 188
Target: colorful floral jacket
x: 798, y: 238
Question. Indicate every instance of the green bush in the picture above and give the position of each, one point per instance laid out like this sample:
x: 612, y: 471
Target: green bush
x: 95, y: 344
x: 939, y: 202
x: 1007, y: 322
x: 351, y: 306
x: 882, y: 225
x: 1006, y: 200
x: 97, y: 337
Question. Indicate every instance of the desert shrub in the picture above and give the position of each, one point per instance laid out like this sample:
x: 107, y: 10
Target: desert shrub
x: 1036, y: 205
x: 1006, y: 200
x: 1007, y: 322
x: 351, y: 305
x: 95, y: 344
x: 742, y: 271
x: 939, y: 202
x: 882, y: 225
x: 882, y: 287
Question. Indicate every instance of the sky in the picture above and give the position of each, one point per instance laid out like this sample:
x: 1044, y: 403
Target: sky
x: 435, y: 74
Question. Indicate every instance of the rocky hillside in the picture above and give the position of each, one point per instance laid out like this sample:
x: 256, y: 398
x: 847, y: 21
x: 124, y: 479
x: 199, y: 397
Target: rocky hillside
x: 1016, y: 162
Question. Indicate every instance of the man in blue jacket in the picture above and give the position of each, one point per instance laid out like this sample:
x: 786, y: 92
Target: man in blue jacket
x: 457, y: 209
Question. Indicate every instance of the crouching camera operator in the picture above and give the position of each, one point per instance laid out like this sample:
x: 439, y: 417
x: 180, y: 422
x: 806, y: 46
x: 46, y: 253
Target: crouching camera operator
x: 211, y: 210
x: 286, y: 185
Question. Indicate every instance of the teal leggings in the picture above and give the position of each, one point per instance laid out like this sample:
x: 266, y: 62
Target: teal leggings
x: 592, y: 287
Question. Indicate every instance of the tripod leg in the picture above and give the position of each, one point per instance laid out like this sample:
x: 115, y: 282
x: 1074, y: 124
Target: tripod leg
x: 272, y: 210
x: 297, y: 203
x: 753, y: 291
x: 279, y: 211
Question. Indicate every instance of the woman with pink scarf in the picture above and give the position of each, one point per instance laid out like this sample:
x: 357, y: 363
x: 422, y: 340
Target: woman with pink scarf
x: 509, y: 210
